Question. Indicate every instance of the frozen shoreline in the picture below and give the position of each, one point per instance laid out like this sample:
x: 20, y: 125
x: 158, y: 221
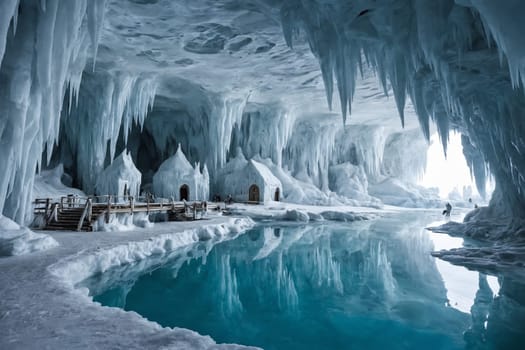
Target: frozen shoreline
x: 40, y: 307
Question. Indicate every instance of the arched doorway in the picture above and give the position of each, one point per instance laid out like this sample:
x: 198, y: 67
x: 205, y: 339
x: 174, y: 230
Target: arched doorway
x: 184, y: 192
x: 253, y: 195
x: 277, y: 195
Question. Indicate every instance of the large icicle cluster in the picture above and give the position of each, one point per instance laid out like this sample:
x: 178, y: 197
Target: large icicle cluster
x: 107, y: 104
x: 43, y: 50
x: 264, y: 131
x: 461, y: 63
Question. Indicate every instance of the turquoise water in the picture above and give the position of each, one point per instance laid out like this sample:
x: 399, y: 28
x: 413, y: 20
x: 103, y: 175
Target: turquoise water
x: 366, y: 285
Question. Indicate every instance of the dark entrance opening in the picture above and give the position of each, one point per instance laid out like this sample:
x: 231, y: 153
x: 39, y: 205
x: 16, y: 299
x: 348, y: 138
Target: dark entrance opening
x: 253, y: 195
x: 184, y: 192
x: 277, y: 195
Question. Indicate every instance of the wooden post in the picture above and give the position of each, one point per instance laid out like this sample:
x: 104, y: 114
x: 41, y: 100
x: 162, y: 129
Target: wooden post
x: 90, y: 211
x: 108, y: 212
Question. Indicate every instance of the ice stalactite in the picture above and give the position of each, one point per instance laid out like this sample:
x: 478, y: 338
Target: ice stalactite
x: 460, y: 62
x: 476, y: 163
x: 264, y: 131
x: 106, y: 105
x: 8, y: 14
x: 42, y: 53
x: 226, y: 112
x: 201, y: 121
x: 504, y: 22
x: 309, y: 151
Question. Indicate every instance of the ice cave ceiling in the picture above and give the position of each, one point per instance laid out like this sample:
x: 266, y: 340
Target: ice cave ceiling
x: 78, y: 76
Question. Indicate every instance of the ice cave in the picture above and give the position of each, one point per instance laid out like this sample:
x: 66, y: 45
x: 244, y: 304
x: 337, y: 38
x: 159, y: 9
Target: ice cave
x: 262, y: 174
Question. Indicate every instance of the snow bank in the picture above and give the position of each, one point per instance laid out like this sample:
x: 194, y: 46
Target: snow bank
x: 51, y: 184
x: 17, y: 240
x: 300, y: 213
x: 77, y: 268
x: 395, y: 192
x: 123, y: 222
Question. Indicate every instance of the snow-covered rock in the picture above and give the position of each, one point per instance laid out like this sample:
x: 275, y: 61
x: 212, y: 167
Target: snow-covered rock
x: 18, y: 240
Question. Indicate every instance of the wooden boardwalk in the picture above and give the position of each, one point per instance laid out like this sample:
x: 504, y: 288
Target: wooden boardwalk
x: 72, y: 213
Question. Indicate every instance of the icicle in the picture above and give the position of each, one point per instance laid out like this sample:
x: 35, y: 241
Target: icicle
x: 8, y: 11
x: 15, y: 21
x: 95, y: 12
x: 327, y: 72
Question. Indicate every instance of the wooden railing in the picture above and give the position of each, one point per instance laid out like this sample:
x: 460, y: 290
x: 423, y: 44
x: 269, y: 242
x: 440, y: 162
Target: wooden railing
x: 50, y: 206
x: 88, y: 211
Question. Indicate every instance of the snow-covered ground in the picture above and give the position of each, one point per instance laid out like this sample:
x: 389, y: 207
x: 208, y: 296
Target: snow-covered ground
x: 304, y: 213
x: 40, y: 307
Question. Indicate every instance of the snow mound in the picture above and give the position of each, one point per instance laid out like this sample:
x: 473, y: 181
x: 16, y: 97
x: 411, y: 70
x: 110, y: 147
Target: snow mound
x: 17, y: 240
x: 296, y: 215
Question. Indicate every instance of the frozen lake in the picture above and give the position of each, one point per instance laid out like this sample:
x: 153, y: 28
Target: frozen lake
x: 370, y: 284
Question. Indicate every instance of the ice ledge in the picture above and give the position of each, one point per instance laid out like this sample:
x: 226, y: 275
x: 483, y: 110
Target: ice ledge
x: 75, y: 269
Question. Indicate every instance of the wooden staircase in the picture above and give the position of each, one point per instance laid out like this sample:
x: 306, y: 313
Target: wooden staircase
x: 68, y: 219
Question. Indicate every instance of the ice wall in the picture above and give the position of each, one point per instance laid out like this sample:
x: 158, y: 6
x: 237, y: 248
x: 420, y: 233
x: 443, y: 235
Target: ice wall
x: 43, y: 49
x: 264, y: 130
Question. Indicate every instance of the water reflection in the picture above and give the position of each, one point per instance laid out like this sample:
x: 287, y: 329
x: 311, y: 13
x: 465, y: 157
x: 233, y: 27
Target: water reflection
x: 322, y: 286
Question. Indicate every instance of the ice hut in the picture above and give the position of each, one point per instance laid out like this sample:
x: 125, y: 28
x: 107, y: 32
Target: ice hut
x: 253, y: 183
x: 119, y: 177
x: 178, y: 179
